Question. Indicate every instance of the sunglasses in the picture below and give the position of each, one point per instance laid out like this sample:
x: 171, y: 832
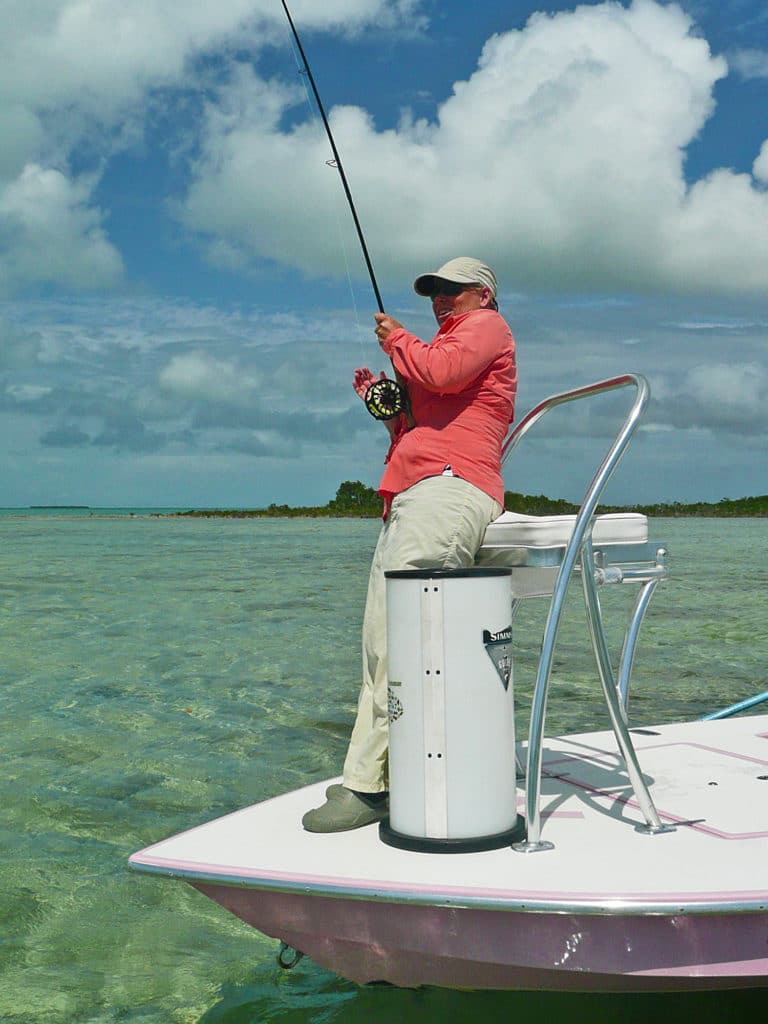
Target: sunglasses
x: 449, y: 288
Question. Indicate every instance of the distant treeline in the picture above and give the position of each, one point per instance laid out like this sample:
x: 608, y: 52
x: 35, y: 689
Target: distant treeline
x: 357, y: 500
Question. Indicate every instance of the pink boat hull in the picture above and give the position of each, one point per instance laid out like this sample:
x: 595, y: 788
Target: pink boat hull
x: 461, y: 947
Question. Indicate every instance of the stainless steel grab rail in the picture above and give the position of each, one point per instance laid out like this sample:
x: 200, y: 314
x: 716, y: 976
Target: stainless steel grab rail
x: 580, y: 544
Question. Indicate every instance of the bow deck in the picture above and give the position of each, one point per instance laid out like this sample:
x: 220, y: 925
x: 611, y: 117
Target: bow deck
x: 608, y: 907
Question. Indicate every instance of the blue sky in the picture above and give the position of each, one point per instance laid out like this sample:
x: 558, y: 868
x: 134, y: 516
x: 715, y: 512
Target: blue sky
x: 182, y: 296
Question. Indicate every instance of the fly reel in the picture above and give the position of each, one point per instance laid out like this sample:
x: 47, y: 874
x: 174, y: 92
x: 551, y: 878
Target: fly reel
x: 385, y: 399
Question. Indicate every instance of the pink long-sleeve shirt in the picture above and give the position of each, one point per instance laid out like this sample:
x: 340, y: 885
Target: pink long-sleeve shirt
x: 462, y: 391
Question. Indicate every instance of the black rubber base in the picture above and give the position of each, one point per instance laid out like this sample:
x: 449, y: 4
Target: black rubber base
x: 474, y: 844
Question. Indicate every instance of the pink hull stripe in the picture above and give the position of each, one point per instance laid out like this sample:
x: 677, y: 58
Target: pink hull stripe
x: 201, y: 870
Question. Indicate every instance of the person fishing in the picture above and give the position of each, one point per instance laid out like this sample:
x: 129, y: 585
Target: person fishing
x: 441, y: 487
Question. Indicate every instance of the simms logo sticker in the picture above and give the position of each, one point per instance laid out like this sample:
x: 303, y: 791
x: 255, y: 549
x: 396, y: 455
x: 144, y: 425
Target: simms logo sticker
x: 499, y: 648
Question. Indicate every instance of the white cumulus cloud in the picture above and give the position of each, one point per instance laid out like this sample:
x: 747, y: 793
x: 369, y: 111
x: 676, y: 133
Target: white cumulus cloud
x: 78, y: 76
x: 103, y: 54
x: 726, y: 399
x: 561, y: 159
x: 760, y: 166
x: 750, y: 63
x: 198, y: 376
x: 50, y: 233
x: 725, y: 386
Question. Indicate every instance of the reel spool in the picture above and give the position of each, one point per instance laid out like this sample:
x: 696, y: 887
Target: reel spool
x: 385, y: 399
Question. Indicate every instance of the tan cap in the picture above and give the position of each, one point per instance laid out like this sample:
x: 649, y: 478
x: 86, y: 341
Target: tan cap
x: 462, y: 270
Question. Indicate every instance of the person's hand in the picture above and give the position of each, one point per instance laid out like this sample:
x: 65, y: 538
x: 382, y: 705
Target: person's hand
x: 363, y: 379
x: 384, y: 326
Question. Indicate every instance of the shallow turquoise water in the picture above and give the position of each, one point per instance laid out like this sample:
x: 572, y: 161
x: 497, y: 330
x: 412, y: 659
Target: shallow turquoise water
x: 158, y: 672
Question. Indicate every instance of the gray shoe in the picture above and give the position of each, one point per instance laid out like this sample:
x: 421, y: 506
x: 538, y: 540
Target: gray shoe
x: 342, y: 811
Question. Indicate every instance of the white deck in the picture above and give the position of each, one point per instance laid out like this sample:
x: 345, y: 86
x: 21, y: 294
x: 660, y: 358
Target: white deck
x: 705, y: 774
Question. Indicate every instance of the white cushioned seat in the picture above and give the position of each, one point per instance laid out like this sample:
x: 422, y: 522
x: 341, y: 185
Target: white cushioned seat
x: 533, y: 546
x: 512, y: 529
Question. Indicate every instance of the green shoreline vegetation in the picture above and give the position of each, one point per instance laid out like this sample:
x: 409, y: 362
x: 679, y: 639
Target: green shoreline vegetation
x: 356, y: 500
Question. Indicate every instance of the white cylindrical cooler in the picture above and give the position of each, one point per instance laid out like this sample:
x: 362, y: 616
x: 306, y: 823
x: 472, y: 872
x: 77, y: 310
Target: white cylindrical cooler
x: 452, y: 781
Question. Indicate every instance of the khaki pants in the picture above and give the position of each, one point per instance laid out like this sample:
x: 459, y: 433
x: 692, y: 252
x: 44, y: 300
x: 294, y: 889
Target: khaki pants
x: 439, y: 523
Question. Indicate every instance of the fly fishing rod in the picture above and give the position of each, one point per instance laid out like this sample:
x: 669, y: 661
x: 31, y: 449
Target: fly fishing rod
x: 384, y: 398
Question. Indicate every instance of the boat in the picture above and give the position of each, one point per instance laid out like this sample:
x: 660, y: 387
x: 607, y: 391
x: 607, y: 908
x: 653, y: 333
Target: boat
x: 631, y: 859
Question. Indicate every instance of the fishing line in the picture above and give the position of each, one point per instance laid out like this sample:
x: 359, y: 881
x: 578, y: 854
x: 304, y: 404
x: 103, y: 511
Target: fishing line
x: 331, y: 163
x: 384, y: 398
